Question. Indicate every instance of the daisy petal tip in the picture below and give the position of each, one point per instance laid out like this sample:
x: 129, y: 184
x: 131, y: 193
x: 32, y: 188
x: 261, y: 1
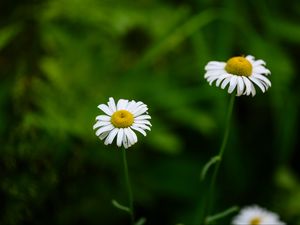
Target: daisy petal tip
x: 99, y: 106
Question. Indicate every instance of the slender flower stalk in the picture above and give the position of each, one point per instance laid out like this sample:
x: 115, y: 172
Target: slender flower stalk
x: 220, y: 155
x: 129, y: 190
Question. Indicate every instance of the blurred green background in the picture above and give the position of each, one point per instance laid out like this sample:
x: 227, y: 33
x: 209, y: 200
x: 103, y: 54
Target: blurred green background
x: 59, y: 59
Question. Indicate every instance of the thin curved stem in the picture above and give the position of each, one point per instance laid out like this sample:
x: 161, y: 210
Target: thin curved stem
x: 220, y: 155
x: 129, y: 190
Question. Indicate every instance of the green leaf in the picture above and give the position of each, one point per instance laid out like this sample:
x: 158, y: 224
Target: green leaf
x: 176, y: 37
x: 7, y: 34
x: 141, y: 221
x: 221, y: 215
x: 119, y: 206
x: 211, y: 162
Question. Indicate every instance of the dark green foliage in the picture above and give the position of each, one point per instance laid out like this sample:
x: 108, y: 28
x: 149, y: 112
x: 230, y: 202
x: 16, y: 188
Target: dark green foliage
x: 59, y: 59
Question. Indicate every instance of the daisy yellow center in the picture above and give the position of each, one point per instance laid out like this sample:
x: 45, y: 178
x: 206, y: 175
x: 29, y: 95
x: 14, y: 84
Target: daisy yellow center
x: 122, y: 119
x: 255, y: 221
x: 239, y: 66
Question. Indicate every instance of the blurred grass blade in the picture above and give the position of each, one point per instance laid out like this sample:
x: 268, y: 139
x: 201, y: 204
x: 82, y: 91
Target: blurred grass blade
x: 119, y: 206
x: 7, y: 34
x: 179, y: 35
x: 221, y: 215
x: 211, y: 162
x: 141, y: 221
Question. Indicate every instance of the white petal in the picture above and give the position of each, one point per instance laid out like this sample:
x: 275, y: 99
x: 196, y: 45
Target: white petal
x: 261, y: 70
x: 104, y: 135
x: 120, y: 137
x: 137, y: 105
x: 111, y: 136
x: 126, y: 133
x: 263, y: 78
x: 100, y: 124
x: 103, y: 118
x: 250, y: 58
x: 122, y: 104
x: 112, y: 105
x: 221, y: 77
x: 258, y: 83
x: 138, y: 129
x: 133, y: 135
x: 248, y: 85
x: 105, y: 109
x: 140, y: 111
x: 104, y: 129
x: 143, y: 117
x: 143, y: 126
x: 143, y: 122
x: 215, y: 65
x: 240, y: 86
x: 125, y: 141
x: 212, y: 79
x: 130, y: 137
x: 211, y: 73
x: 226, y: 81
x: 131, y: 105
x: 233, y: 83
x: 259, y: 62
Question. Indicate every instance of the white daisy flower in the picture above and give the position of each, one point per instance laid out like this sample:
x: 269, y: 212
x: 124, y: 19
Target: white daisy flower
x: 120, y: 121
x: 255, y: 215
x: 240, y: 73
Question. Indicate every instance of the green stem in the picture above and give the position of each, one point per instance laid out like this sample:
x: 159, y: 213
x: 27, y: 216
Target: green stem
x: 130, y: 198
x: 220, y: 154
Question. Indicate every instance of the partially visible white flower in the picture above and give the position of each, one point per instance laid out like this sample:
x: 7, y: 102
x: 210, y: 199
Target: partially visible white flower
x: 255, y: 215
x: 240, y: 73
x: 121, y: 120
